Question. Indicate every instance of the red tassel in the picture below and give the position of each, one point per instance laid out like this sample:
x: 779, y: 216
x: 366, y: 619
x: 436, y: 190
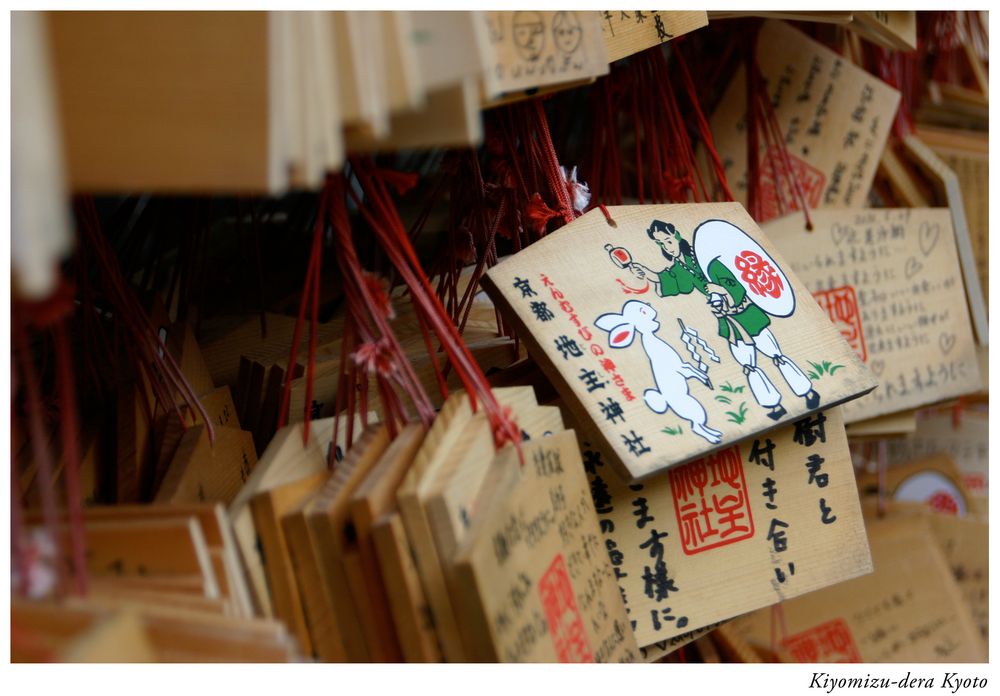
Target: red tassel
x: 539, y: 214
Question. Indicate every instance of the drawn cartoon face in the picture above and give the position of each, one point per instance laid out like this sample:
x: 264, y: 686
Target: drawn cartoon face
x: 529, y: 35
x: 566, y: 31
x: 667, y: 242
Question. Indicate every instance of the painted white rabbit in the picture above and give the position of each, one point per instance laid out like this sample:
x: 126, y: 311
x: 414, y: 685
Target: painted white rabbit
x: 669, y: 372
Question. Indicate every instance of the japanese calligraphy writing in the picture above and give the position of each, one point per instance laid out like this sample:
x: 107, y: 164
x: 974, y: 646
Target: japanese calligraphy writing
x: 834, y: 118
x: 891, y: 281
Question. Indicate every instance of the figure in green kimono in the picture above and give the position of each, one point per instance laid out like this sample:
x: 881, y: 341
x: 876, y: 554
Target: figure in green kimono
x: 742, y: 323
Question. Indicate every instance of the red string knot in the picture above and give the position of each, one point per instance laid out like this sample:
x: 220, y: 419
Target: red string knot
x: 375, y: 357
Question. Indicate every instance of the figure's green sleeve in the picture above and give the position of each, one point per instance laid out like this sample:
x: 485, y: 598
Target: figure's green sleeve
x: 753, y: 318
x: 676, y: 280
x: 720, y: 275
x: 668, y: 284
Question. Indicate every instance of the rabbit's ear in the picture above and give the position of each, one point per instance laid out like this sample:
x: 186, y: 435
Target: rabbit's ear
x: 622, y: 335
x: 606, y: 322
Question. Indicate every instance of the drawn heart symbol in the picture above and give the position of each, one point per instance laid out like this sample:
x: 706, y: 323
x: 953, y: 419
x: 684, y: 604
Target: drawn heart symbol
x: 876, y: 366
x: 913, y: 267
x: 947, y: 342
x: 928, y: 236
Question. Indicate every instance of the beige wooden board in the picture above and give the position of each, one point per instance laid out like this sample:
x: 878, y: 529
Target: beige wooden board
x: 835, y: 119
x: 268, y: 507
x: 462, y: 484
x: 901, y: 268
x: 447, y: 47
x: 222, y: 355
x: 305, y: 568
x: 338, y: 636
x: 452, y: 495
x: 410, y: 611
x: 909, y: 610
x: 308, y: 171
x: 892, y: 425
x: 120, y: 637
x: 110, y: 636
x: 200, y: 638
x: 704, y: 529
x: 532, y: 572
x: 894, y: 30
x: 113, y: 592
x: 222, y: 551
x: 176, y: 635
x: 205, y: 471
x: 285, y: 129
x: 286, y: 459
x: 630, y: 31
x: 953, y: 107
x: 669, y: 414
x: 404, y: 80
x: 950, y: 193
x: 338, y: 542
x: 965, y: 544
x: 214, y: 526
x: 327, y: 84
x: 967, y: 154
x: 449, y: 117
x: 905, y: 187
x: 375, y: 496
x: 446, y: 435
x: 968, y: 445
x: 40, y: 231
x: 933, y: 480
x: 166, y: 101
x: 360, y: 64
x: 439, y: 497
x: 147, y: 548
x: 536, y: 48
x: 221, y: 411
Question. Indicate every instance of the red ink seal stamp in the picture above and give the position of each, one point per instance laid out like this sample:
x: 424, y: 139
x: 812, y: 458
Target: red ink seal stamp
x: 943, y: 502
x: 711, y: 501
x: 779, y: 198
x: 565, y: 622
x: 828, y: 642
x: 759, y: 274
x: 841, y: 305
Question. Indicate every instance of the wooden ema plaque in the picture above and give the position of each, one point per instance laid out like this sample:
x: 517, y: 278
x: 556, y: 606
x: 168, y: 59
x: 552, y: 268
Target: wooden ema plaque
x: 532, y: 579
x: 627, y: 32
x: 964, y: 541
x: 684, y: 333
x: 933, y: 480
x: 967, y: 442
x: 771, y: 518
x: 891, y: 282
x: 834, y: 116
x: 537, y: 48
x: 908, y: 610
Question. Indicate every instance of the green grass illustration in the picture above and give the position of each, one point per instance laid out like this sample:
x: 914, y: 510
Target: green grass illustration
x: 722, y: 398
x: 673, y: 431
x: 738, y: 416
x: 822, y: 368
x: 727, y: 387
